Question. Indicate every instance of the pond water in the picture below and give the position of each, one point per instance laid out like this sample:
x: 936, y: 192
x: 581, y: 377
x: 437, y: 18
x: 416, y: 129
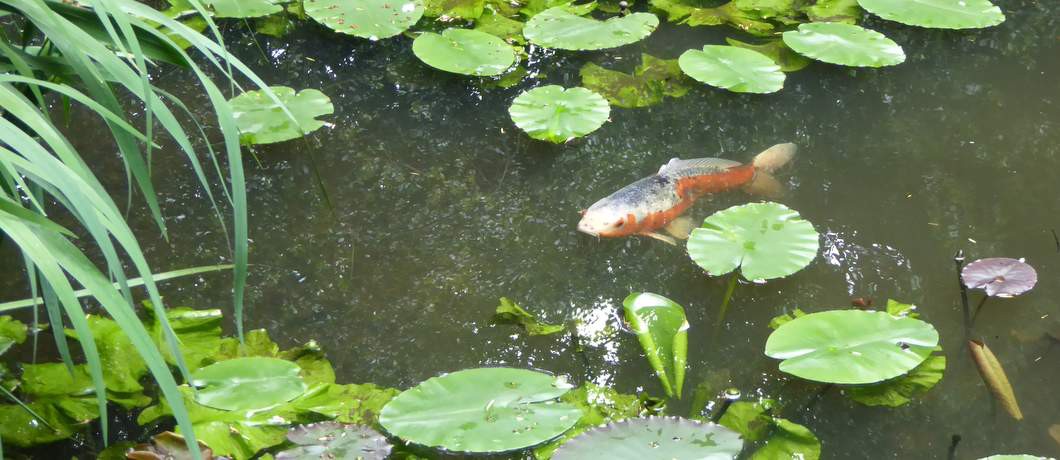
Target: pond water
x: 389, y: 237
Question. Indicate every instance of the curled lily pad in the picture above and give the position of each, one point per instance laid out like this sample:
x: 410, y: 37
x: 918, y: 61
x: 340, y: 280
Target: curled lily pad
x: 464, y: 51
x: 559, y: 28
x: 263, y: 121
x: 844, y: 44
x: 371, y: 19
x: 764, y: 240
x: 1000, y: 276
x: 654, y: 438
x: 248, y: 383
x: 555, y: 114
x: 995, y: 377
x: 335, y: 441
x: 735, y: 69
x: 851, y: 346
x: 662, y: 329
x: 481, y: 410
x: 940, y: 14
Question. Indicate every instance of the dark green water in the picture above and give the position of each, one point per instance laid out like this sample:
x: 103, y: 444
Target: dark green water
x: 437, y: 206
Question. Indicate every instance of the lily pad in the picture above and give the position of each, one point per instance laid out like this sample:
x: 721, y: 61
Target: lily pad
x: 335, y: 441
x: 735, y: 69
x: 789, y: 440
x: 561, y: 29
x: 654, y: 438
x: 371, y: 19
x: 599, y: 405
x: 900, y: 391
x: 662, y: 329
x: 1000, y: 276
x: 464, y: 51
x: 481, y: 410
x: 12, y: 332
x: 650, y: 82
x: 555, y: 114
x: 262, y: 121
x: 764, y: 240
x: 248, y: 383
x: 1014, y: 457
x: 788, y: 60
x: 939, y: 14
x: 851, y: 346
x: 844, y: 44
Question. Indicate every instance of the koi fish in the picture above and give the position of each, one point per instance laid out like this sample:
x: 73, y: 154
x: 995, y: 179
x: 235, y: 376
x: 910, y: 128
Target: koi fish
x: 657, y: 201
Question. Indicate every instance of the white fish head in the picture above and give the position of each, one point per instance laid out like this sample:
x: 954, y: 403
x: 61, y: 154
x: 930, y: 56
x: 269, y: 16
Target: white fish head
x: 603, y: 220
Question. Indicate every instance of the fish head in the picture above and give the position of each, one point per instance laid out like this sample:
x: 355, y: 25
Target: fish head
x: 606, y: 221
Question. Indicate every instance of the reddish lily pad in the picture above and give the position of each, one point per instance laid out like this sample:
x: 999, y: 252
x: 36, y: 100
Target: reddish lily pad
x: 1000, y: 276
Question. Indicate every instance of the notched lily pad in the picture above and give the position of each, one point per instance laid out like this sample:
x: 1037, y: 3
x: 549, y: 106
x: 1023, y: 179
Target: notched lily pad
x: 464, y: 51
x: 371, y: 19
x: 263, y: 121
x: 653, y: 438
x: 559, y: 28
x: 248, y: 383
x: 555, y: 114
x: 844, y: 44
x: 335, y: 441
x: 939, y: 14
x: 735, y: 69
x: 1000, y: 276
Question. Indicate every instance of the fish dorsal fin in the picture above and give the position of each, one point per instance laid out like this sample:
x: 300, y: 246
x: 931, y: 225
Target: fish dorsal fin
x: 679, y: 167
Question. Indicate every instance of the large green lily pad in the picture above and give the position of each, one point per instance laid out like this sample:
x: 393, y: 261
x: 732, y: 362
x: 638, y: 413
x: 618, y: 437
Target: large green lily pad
x: 248, y: 383
x: 939, y: 14
x: 555, y: 114
x: 764, y: 240
x: 844, y: 44
x: 561, y: 29
x: 481, y: 410
x: 662, y: 329
x: 371, y: 19
x: 263, y: 121
x: 851, y: 346
x: 464, y: 51
x: 671, y: 438
x: 735, y: 69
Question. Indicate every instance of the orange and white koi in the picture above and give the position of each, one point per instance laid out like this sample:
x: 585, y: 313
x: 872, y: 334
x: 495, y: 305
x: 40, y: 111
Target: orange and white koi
x: 656, y: 202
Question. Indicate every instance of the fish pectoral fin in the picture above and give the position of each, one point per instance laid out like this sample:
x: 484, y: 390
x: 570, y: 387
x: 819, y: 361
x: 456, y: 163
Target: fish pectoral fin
x: 765, y: 185
x: 661, y: 237
x: 680, y: 227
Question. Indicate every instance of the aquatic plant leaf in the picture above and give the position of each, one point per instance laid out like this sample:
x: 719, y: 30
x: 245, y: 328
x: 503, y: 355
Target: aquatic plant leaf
x: 764, y: 240
x: 738, y: 14
x: 897, y: 308
x: 503, y: 27
x: 510, y: 312
x: 788, y: 60
x: 851, y: 346
x: 844, y: 44
x: 845, y: 11
x: 779, y: 320
x: 662, y: 329
x: 481, y: 410
x: 371, y: 19
x: 995, y: 378
x: 534, y: 7
x: 350, y: 403
x: 1014, y: 457
x: 559, y: 28
x: 335, y: 441
x: 63, y: 416
x: 650, y: 82
x: 789, y: 440
x: 248, y: 383
x: 243, y: 8
x: 599, y: 406
x: 276, y: 25
x: 900, y: 391
x: 1000, y: 276
x: 454, y: 9
x: 199, y: 332
x: 653, y: 438
x: 736, y: 69
x: 167, y: 445
x: 12, y: 332
x: 1054, y: 432
x: 464, y: 51
x: 751, y: 419
x: 122, y: 371
x: 555, y: 114
x: 262, y: 121
x: 938, y: 14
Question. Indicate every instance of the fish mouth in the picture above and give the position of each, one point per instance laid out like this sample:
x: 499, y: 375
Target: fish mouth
x: 582, y: 227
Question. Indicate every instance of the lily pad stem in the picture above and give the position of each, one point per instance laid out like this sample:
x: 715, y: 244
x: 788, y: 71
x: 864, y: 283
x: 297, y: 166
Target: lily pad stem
x: 958, y: 259
x: 979, y: 308
x: 728, y: 296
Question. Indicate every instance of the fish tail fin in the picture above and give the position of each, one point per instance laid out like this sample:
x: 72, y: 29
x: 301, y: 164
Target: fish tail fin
x: 765, y: 185
x: 774, y: 157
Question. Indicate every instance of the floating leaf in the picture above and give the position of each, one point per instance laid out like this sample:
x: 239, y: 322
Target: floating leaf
x: 167, y: 445
x: 750, y: 419
x: 897, y: 308
x: 764, y: 240
x: 121, y: 371
x: 662, y: 329
x: 1000, y: 276
x: 464, y: 51
x: 12, y: 332
x: 900, y: 391
x: 555, y: 114
x: 262, y: 121
x: 63, y: 399
x: 511, y: 312
x: 735, y: 69
x: 652, y: 80
x: 779, y: 320
x: 243, y: 8
x: 335, y: 441
x: 788, y: 60
x: 844, y: 44
x: 939, y: 14
x: 198, y: 331
x: 501, y: 26
x: 789, y: 440
x: 1014, y: 457
x: 599, y: 406
x: 248, y: 383
x: 846, y: 11
x: 481, y: 410
x: 653, y: 438
x: 851, y: 346
x: 559, y: 28
x: 741, y: 15
x: 371, y: 19
x: 454, y: 9
x: 994, y: 376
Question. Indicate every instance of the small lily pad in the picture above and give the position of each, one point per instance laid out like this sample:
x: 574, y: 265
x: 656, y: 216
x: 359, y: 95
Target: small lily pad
x: 653, y: 438
x: 371, y: 19
x: 939, y: 14
x: 1000, y: 276
x: 263, y: 121
x: 464, y: 51
x: 844, y: 44
x: 335, y: 441
x: 559, y: 28
x: 555, y: 114
x: 248, y: 383
x: 735, y: 69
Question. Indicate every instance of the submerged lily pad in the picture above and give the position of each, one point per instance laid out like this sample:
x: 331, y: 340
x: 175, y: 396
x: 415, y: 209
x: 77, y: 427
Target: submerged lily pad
x: 735, y: 69
x: 335, y: 441
x: 939, y: 14
x: 511, y: 312
x: 844, y: 44
x: 650, y: 82
x: 851, y: 346
x: 371, y: 19
x: 262, y: 121
x: 464, y: 51
x: 788, y: 60
x: 764, y: 240
x: 248, y: 383
x: 481, y: 410
x: 654, y: 438
x: 555, y: 114
x: 561, y: 29
x: 900, y: 391
x: 662, y: 329
x: 1000, y: 276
